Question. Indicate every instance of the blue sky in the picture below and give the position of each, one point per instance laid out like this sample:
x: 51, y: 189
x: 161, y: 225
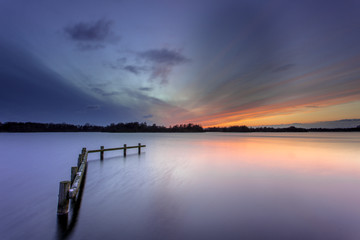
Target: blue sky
x: 168, y: 62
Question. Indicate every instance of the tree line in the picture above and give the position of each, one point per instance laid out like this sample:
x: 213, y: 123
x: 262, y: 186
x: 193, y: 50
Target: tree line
x: 285, y: 129
x: 119, y: 127
x: 144, y: 127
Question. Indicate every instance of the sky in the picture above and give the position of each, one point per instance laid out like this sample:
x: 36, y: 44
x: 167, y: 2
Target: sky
x: 209, y: 62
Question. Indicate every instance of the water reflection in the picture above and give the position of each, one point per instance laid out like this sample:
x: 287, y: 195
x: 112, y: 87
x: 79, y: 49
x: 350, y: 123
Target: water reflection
x: 187, y: 186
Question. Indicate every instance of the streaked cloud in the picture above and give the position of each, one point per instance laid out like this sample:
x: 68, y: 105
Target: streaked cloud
x: 283, y: 67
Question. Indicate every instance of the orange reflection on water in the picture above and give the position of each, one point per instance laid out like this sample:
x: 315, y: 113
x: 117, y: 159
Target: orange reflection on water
x: 287, y: 152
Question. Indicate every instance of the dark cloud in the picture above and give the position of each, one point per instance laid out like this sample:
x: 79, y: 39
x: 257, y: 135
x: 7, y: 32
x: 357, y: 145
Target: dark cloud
x: 158, y: 63
x: 112, y: 93
x: 283, y: 68
x: 148, y: 116
x: 97, y: 90
x: 120, y: 64
x: 98, y: 31
x: 103, y: 93
x: 164, y: 56
x: 162, y: 62
x: 92, y: 35
x: 89, y: 47
x: 161, y: 72
x: 134, y: 69
x: 145, y: 89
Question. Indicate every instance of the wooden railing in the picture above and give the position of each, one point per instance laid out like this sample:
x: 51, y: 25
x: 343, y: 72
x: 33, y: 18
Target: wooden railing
x: 69, y: 189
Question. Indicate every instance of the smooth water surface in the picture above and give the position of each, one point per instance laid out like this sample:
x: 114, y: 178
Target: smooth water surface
x: 184, y: 186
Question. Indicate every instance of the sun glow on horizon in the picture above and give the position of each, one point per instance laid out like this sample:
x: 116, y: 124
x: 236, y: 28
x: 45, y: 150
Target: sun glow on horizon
x: 302, y: 115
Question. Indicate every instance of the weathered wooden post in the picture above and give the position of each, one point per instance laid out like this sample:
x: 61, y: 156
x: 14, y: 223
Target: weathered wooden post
x: 79, y: 160
x: 139, y: 150
x: 83, y: 151
x: 102, y: 153
x: 63, y: 201
x: 73, y: 173
x: 124, y: 150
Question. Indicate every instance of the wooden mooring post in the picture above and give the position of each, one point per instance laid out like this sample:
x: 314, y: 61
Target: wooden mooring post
x: 73, y: 173
x: 63, y: 201
x: 79, y: 160
x: 69, y: 189
x: 102, y: 153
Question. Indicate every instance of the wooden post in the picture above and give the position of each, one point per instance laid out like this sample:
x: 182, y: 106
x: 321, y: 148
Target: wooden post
x: 83, y: 151
x: 139, y: 150
x: 63, y: 201
x: 73, y: 173
x: 102, y: 153
x: 80, y: 160
x: 124, y: 150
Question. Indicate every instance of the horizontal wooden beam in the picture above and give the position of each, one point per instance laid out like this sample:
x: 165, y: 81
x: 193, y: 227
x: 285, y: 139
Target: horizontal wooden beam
x: 113, y: 149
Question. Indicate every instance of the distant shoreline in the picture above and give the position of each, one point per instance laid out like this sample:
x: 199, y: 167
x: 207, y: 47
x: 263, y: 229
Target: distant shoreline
x: 133, y: 127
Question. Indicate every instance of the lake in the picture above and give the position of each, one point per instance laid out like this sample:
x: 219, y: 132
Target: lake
x: 184, y: 186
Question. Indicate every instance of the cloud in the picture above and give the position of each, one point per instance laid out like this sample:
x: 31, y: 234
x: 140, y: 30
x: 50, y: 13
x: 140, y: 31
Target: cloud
x: 120, y: 64
x: 158, y: 63
x: 162, y: 112
x: 103, y: 93
x: 283, y: 68
x: 162, y: 62
x: 89, y: 46
x: 93, y: 107
x: 161, y: 72
x: 92, y: 35
x: 134, y: 69
x: 164, y: 56
x: 145, y: 89
x: 148, y: 116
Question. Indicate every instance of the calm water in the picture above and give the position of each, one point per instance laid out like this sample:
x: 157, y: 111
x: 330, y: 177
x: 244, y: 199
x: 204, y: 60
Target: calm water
x: 185, y: 186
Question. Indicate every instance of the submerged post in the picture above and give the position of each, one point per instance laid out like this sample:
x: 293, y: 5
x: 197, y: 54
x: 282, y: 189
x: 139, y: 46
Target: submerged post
x: 102, y: 153
x: 73, y: 173
x: 139, y: 150
x: 124, y: 150
x: 63, y: 201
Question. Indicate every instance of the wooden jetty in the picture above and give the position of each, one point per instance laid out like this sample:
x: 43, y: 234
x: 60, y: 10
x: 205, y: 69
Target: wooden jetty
x: 69, y: 189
